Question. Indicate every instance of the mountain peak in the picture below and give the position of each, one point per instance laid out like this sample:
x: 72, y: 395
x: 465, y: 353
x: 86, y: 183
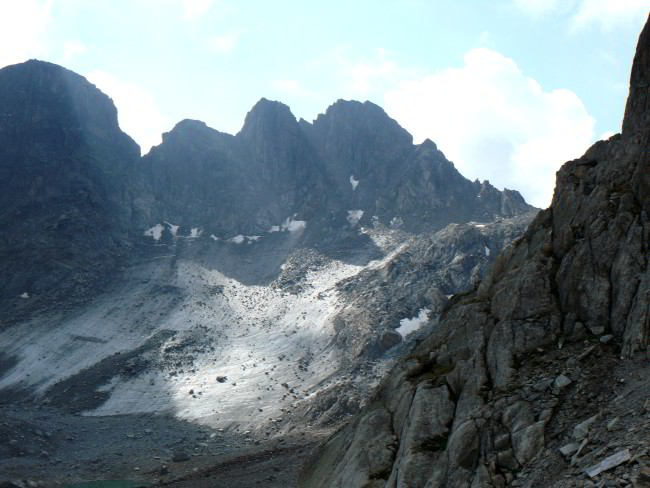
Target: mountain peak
x: 365, y: 116
x: 351, y: 105
x: 58, y: 97
x: 428, y: 144
x: 346, y: 122
x: 267, y: 117
x: 191, y: 132
x: 43, y: 66
x: 190, y: 124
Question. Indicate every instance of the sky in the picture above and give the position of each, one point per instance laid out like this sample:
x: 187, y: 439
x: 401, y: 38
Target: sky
x: 508, y: 89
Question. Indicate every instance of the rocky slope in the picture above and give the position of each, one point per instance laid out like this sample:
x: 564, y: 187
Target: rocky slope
x: 255, y: 285
x: 539, y: 377
x: 214, y: 367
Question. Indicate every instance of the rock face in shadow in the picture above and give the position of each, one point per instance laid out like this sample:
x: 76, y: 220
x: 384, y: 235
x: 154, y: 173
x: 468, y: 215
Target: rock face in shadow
x: 63, y: 165
x: 352, y: 158
x: 231, y: 185
x: 77, y: 198
x: 468, y: 407
x: 396, y: 179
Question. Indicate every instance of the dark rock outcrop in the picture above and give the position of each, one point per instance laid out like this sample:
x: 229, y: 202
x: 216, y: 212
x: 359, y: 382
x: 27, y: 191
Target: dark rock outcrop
x: 63, y: 168
x: 231, y: 185
x: 468, y: 407
x: 353, y: 157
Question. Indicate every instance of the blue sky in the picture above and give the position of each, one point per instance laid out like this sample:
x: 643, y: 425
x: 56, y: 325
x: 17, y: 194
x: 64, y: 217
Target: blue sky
x: 508, y: 89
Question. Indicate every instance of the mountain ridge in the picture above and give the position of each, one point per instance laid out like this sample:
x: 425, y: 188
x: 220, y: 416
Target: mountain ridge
x: 273, y: 170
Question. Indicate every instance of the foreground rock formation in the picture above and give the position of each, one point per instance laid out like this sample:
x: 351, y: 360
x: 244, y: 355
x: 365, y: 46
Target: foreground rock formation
x: 549, y: 352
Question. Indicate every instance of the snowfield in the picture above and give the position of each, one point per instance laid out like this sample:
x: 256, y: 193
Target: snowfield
x: 230, y: 355
x: 260, y: 337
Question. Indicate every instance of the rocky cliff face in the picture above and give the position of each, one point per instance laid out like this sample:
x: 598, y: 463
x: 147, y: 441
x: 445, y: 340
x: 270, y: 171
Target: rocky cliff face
x: 498, y: 387
x: 231, y: 185
x: 353, y: 162
x: 63, y: 161
x: 376, y: 167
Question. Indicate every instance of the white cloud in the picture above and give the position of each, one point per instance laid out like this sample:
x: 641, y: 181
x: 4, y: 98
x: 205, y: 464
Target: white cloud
x: 194, y: 9
x: 610, y: 13
x: 72, y: 49
x: 359, y: 77
x: 496, y: 123
x: 292, y: 87
x: 23, y: 25
x: 606, y: 135
x: 225, y: 43
x: 137, y: 112
x: 363, y: 75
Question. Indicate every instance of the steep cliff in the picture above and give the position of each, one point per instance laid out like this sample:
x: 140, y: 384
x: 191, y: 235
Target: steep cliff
x: 545, y: 342
x: 63, y: 165
x: 352, y: 164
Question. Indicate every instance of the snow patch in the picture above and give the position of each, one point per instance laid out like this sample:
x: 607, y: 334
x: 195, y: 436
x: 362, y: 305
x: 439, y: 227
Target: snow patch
x: 353, y: 182
x: 195, y: 232
x: 406, y: 326
x: 479, y: 226
x: 293, y: 225
x: 289, y: 224
x: 354, y: 216
x: 396, y: 222
x: 173, y: 228
x: 237, y: 239
x: 214, y: 238
x: 24, y: 295
x: 487, y: 251
x: 155, y: 232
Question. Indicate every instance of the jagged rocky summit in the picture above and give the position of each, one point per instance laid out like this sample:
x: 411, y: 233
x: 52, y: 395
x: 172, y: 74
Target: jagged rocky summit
x: 353, y: 158
x: 539, y: 377
x: 77, y: 197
